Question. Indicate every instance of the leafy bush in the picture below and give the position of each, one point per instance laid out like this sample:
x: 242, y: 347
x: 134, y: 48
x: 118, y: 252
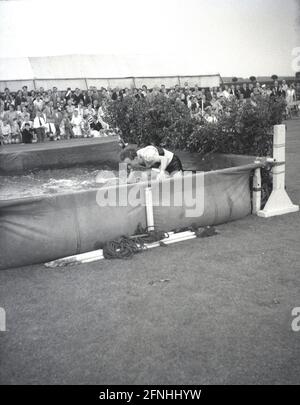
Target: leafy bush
x: 241, y: 127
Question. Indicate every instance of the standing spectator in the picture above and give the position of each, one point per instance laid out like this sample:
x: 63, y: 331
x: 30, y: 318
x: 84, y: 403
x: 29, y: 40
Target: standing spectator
x: 290, y: 97
x: 54, y: 96
x: 77, y: 96
x: 57, y: 118
x: 238, y: 91
x: 276, y: 90
x: 87, y: 98
x: 297, y: 91
x: 284, y: 87
x: 68, y: 94
x: 39, y: 126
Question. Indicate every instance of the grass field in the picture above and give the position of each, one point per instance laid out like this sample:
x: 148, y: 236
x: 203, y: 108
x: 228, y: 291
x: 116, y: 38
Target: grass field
x: 206, y: 311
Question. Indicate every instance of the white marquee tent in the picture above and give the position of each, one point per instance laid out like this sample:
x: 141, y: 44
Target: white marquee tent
x: 84, y: 71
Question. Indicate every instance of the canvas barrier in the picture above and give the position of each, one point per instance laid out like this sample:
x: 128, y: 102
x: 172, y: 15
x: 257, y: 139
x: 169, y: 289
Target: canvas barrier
x: 121, y: 82
x: 19, y: 158
x: 41, y: 229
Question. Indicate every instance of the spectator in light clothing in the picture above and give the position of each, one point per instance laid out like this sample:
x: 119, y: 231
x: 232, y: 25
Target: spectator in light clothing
x: 39, y: 124
x: 85, y: 127
x: 5, y: 131
x: 15, y: 131
x: 76, y: 123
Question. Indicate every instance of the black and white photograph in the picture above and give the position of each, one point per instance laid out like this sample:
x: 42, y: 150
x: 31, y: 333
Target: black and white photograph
x: 149, y: 195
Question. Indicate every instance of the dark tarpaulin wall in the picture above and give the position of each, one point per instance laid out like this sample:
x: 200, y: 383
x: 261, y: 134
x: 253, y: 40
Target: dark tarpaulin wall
x: 19, y: 158
x: 40, y: 229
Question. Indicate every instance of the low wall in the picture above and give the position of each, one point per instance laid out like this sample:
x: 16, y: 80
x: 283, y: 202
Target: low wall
x: 59, y: 154
x: 40, y: 229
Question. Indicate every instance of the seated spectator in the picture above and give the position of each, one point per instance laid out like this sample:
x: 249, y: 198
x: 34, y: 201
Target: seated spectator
x: 70, y: 107
x: 76, y: 123
x: 15, y: 131
x: 66, y: 128
x: 26, y: 120
x: 12, y: 114
x: 38, y: 103
x: 209, y: 116
x: 27, y: 134
x: 85, y: 127
x: 250, y: 87
x: 19, y: 98
x: 25, y: 92
x: 96, y: 105
x: 225, y: 92
x: 80, y: 108
x: 7, y: 99
x: 90, y: 112
x: 51, y: 131
x: 192, y: 103
x: 2, y: 112
x: 216, y: 105
x: 5, y: 131
x: 96, y: 127
x: 257, y: 90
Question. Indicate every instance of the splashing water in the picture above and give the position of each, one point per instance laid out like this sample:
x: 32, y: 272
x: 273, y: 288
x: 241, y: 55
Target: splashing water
x: 55, y: 181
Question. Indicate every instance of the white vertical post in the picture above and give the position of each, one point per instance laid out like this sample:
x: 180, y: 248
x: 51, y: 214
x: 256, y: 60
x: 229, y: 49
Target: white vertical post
x: 256, y: 194
x: 279, y: 202
x: 149, y: 209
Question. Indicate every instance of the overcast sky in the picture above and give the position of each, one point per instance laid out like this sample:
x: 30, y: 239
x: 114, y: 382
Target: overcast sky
x: 231, y: 37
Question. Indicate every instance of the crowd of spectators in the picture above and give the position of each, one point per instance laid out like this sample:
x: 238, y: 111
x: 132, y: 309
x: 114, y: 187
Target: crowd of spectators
x: 37, y: 116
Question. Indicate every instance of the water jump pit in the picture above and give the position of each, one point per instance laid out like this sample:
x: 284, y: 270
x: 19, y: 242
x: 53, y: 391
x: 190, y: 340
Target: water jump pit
x: 55, y: 210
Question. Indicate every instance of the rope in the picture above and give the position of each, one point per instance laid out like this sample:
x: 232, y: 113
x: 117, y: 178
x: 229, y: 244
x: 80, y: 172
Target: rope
x: 125, y: 247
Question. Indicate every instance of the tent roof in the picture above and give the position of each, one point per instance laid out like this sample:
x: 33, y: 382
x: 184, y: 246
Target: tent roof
x: 97, y: 66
